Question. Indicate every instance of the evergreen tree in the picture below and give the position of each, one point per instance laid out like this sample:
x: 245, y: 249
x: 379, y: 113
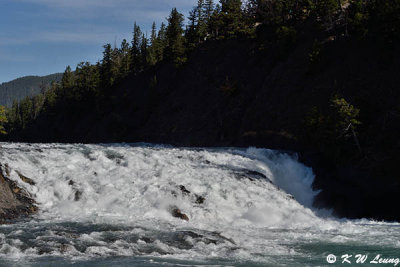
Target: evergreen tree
x: 125, y: 59
x: 26, y: 111
x: 161, y: 42
x: 135, y: 49
x: 15, y: 117
x: 107, y: 77
x: 208, y: 9
x: 37, y: 102
x: 191, y: 34
x: 152, y: 51
x: 201, y: 27
x: 87, y: 80
x: 175, y: 49
x: 67, y: 80
x: 3, y: 120
x: 143, y: 52
x: 232, y: 19
x: 216, y: 23
x: 199, y: 18
x: 153, y: 36
x: 325, y: 11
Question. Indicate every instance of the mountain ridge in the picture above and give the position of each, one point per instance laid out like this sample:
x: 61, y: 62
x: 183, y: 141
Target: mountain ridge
x: 26, y: 86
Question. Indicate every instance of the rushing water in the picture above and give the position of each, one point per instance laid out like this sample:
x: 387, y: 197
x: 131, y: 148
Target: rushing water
x: 109, y: 205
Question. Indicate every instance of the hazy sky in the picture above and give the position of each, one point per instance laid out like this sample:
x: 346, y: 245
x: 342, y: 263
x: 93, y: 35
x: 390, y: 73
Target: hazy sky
x: 39, y: 37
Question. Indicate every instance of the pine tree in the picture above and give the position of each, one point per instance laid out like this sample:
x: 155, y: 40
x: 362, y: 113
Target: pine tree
x: 191, y: 34
x: 231, y: 14
x: 325, y: 10
x: 208, y: 9
x: 143, y: 53
x: 3, y: 120
x: 107, y: 78
x: 152, y: 51
x: 161, y: 42
x: 15, y: 117
x: 175, y: 49
x: 26, y: 111
x: 37, y: 102
x: 216, y: 22
x: 135, y: 50
x: 88, y: 80
x: 125, y: 59
x: 199, y: 17
x: 201, y: 27
x: 67, y: 80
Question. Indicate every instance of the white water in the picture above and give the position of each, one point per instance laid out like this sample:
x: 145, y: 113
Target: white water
x: 124, y: 193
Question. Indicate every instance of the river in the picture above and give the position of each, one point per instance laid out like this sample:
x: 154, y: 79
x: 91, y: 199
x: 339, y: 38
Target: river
x: 110, y: 205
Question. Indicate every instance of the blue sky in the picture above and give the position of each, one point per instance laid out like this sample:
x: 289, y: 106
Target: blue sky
x: 39, y: 37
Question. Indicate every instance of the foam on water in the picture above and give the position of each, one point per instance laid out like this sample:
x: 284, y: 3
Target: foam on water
x: 114, y: 200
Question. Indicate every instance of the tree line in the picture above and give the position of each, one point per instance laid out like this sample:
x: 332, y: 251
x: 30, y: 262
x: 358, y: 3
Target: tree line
x: 267, y: 21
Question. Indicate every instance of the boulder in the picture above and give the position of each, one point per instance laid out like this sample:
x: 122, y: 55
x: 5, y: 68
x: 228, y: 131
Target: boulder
x: 15, y: 202
x: 177, y: 213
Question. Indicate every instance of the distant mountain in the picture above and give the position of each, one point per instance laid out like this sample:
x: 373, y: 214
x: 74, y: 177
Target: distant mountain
x: 26, y: 86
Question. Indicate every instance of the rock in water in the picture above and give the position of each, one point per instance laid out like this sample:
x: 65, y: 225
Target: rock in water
x: 200, y: 199
x: 185, y: 192
x: 78, y: 195
x: 177, y: 213
x: 24, y: 178
x: 14, y: 200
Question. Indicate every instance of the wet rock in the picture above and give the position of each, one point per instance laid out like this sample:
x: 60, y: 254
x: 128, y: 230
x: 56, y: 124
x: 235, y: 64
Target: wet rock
x: 204, y: 236
x: 184, y: 190
x: 7, y: 169
x: 25, y: 179
x: 192, y: 234
x: 16, y: 190
x: 197, y: 198
x: 200, y: 199
x: 177, y: 213
x: 251, y: 175
x: 219, y: 235
x: 255, y: 174
x: 14, y: 200
x: 78, y: 195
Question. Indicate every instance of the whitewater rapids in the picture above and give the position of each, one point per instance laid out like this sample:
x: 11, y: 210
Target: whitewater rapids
x: 110, y: 203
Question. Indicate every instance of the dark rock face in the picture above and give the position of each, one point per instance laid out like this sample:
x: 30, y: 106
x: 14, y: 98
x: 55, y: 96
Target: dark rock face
x: 15, y: 202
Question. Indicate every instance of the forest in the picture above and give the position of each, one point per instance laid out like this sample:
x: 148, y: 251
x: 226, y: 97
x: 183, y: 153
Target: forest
x: 279, y: 22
